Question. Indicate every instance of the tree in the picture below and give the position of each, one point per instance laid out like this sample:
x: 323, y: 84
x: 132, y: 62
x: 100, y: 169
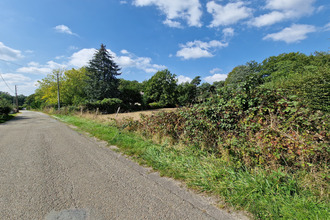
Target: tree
x: 130, y: 93
x: 204, y: 91
x: 73, y: 86
x: 241, y: 73
x: 47, y: 90
x: 187, y: 92
x: 102, y: 71
x: 161, y: 89
x: 32, y: 103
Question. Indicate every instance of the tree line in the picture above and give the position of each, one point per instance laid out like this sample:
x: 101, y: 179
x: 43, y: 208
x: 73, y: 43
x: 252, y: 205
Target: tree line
x: 97, y: 85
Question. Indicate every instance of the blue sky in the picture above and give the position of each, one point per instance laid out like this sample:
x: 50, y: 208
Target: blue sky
x: 206, y: 38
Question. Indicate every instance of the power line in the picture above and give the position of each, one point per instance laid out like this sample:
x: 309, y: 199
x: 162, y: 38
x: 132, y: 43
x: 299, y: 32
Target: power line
x: 6, y: 84
x: 6, y: 61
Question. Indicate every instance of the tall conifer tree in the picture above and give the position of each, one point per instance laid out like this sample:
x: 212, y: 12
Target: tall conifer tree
x: 102, y: 72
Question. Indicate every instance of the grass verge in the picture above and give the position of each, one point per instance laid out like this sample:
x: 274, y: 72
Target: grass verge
x: 4, y: 118
x: 266, y: 194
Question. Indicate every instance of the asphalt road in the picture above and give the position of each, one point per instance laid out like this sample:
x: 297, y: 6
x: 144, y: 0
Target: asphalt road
x: 49, y: 171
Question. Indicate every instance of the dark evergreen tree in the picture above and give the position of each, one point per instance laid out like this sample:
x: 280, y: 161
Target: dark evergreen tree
x: 102, y: 71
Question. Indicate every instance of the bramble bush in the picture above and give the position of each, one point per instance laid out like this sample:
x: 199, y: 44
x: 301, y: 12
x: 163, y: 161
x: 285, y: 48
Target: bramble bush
x: 250, y: 127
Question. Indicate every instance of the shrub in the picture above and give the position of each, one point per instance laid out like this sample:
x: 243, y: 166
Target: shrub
x: 108, y: 105
x: 261, y: 127
x: 5, y: 107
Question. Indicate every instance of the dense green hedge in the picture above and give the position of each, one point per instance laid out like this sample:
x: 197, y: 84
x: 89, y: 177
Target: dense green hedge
x: 109, y: 105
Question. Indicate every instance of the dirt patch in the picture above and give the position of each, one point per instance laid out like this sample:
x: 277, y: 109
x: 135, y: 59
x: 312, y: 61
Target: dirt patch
x: 121, y: 116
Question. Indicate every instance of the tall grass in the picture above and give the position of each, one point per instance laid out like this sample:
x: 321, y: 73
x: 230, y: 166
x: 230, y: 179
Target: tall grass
x: 267, y: 194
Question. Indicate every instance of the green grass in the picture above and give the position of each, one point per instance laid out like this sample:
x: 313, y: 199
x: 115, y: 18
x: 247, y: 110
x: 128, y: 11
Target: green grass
x: 4, y: 118
x: 265, y: 194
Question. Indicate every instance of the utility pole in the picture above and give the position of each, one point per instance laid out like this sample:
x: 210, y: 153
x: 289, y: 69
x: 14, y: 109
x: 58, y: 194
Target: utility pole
x: 17, y: 109
x: 58, y: 90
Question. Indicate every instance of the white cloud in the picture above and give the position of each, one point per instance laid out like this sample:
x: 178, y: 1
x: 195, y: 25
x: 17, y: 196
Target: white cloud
x: 36, y: 68
x: 215, y: 70
x: 228, y: 32
x: 326, y: 27
x: 64, y: 29
x: 24, y: 83
x: 300, y: 6
x: 198, y: 49
x: 283, y: 10
x: 228, y: 14
x: 174, y: 24
x: 128, y: 60
x: 13, y: 78
x: 189, y: 10
x: 123, y: 2
x: 82, y: 57
x: 9, y: 54
x: 295, y: 33
x: 268, y: 19
x: 183, y: 79
x: 215, y: 78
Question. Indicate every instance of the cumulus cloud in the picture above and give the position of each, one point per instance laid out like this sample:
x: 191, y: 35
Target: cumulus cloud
x: 36, y: 68
x: 14, y: 78
x: 228, y: 14
x: 198, y: 49
x: 215, y: 78
x: 283, y: 10
x: 82, y: 57
x: 24, y: 83
x: 127, y: 60
x: 183, y: 79
x: 189, y: 10
x: 295, y: 33
x: 9, y: 54
x: 64, y: 29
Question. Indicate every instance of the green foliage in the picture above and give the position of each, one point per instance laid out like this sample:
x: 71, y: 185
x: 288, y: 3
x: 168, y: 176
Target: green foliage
x: 9, y: 98
x: 241, y: 73
x: 6, y: 96
x: 254, y: 127
x: 130, y: 94
x: 102, y: 72
x: 46, y: 93
x: 204, y: 91
x: 161, y: 88
x: 73, y: 87
x: 32, y: 102
x: 267, y: 194
x: 109, y: 105
x: 307, y: 77
x: 5, y: 107
x: 187, y: 92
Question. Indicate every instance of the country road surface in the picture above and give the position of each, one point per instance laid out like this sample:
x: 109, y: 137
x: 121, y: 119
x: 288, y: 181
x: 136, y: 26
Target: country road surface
x: 49, y: 171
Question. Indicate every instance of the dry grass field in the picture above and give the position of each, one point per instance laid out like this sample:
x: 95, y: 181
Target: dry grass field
x: 121, y: 116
